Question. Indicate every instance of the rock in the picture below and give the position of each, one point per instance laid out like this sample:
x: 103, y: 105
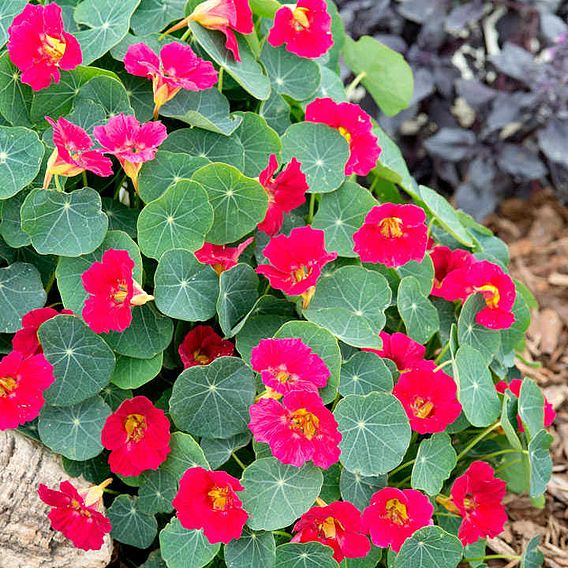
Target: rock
x: 26, y: 539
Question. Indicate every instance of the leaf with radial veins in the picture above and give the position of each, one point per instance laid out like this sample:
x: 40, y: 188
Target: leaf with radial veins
x: 153, y: 15
x: 15, y: 96
x: 363, y: 374
x: 304, y: 555
x: 430, y: 547
x: 434, y: 463
x: 8, y: 11
x: 130, y: 524
x: 419, y: 315
x: 251, y: 550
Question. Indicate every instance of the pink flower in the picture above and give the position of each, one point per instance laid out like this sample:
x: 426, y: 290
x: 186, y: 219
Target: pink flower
x: 77, y: 515
x: 226, y: 16
x: 477, y: 497
x: 138, y: 437
x: 296, y: 261
x: 395, y: 515
x: 202, y: 345
x: 298, y: 430
x: 285, y: 192
x: 25, y: 340
x: 392, y: 235
x: 112, y: 292
x: 208, y: 500
x: 131, y: 142
x: 176, y: 68
x: 39, y: 46
x: 515, y: 387
x: 337, y: 525
x: 73, y: 154
x: 429, y: 398
x: 22, y: 382
x: 221, y: 257
x: 355, y: 125
x: 449, y: 267
x: 401, y: 349
x: 304, y: 27
x: 286, y: 365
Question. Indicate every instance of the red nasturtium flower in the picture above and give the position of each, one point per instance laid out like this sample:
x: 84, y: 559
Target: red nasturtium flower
x: 221, y: 257
x: 286, y: 191
x: 403, y: 351
x: 355, y: 125
x: 138, y: 437
x: 73, y: 153
x: 25, y: 340
x: 304, y: 27
x: 286, y: 365
x: 296, y: 261
x: 22, y: 382
x: 77, y: 515
x: 112, y: 292
x: 477, y: 497
x: 395, y: 515
x: 208, y: 500
x: 131, y: 142
x: 226, y: 16
x: 298, y: 430
x: 429, y: 398
x: 39, y: 46
x: 176, y: 68
x: 449, y: 269
x: 202, y: 345
x: 337, y: 525
x: 392, y: 235
x: 515, y: 387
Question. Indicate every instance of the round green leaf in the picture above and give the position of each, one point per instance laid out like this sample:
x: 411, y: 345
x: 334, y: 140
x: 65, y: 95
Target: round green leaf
x: 95, y: 470
x: 21, y: 153
x: 21, y: 290
x: 375, y: 430
x: 185, y: 454
x: 180, y: 218
x: 359, y: 489
x: 15, y: 96
x: 321, y: 342
x: 8, y: 11
x: 70, y: 270
x: 430, y: 547
x: 74, y: 431
x: 65, y: 224
x: 296, y: 77
x: 120, y: 217
x: 213, y: 400
x: 184, y: 288
x: 422, y: 271
x: 276, y: 112
x: 350, y: 303
x: 532, y: 556
x: 239, y: 203
x: 165, y: 170
x: 419, y: 315
x: 130, y: 373
x: 305, y: 555
x: 130, y: 525
x: 153, y: 15
x: 11, y: 225
x: 252, y: 550
x: 276, y: 494
x: 82, y: 361
x: 364, y: 373
x: 321, y: 151
x: 540, y: 463
x: 341, y: 213
x: 531, y: 407
x: 218, y: 450
x: 434, y: 463
x: 115, y: 396
x: 157, y: 492
x: 107, y: 92
x: 182, y: 548
x: 149, y: 334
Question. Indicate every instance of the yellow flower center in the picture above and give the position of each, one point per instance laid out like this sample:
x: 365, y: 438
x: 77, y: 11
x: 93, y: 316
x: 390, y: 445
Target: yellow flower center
x: 282, y: 376
x: 469, y: 504
x: 305, y: 422
x: 422, y: 408
x: 7, y: 385
x: 301, y: 21
x: 329, y: 527
x: 220, y: 497
x: 54, y: 48
x: 135, y: 427
x: 397, y: 512
x: 121, y: 292
x: 345, y: 133
x: 490, y: 294
x: 301, y: 273
x: 201, y: 358
x: 390, y: 227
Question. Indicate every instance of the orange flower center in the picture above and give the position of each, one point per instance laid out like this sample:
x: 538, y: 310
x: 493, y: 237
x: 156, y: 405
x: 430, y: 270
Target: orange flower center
x: 301, y: 273
x: 345, y: 133
x: 83, y: 511
x: 390, y: 227
x: 53, y: 48
x: 121, y: 292
x: 135, y: 427
x: 201, y: 358
x: 220, y: 497
x: 397, y: 512
x: 7, y: 385
x: 283, y: 376
x: 305, y: 422
x: 422, y: 408
x: 301, y: 20
x: 329, y: 527
x: 490, y: 294
x: 469, y: 504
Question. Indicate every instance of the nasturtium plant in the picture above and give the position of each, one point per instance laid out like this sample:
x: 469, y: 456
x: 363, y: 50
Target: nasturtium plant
x: 223, y: 292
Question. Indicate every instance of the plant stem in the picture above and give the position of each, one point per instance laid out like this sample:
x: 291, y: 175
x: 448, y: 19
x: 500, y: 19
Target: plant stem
x: 443, y: 365
x: 85, y: 182
x: 186, y: 34
x: 503, y: 452
x: 282, y: 533
x: 401, y: 467
x: 447, y: 515
x: 353, y: 85
x: 440, y: 355
x: 492, y: 557
x: 478, y: 439
x: 58, y: 183
x: 220, y: 82
x: 312, y: 208
x: 237, y: 459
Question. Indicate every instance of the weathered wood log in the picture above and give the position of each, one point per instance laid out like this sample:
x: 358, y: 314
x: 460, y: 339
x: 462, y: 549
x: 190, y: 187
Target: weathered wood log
x: 26, y: 539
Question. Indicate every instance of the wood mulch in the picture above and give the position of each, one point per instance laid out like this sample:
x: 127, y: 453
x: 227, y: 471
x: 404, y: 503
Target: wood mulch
x: 537, y: 234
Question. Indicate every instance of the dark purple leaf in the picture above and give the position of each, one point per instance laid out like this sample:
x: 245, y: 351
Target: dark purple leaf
x: 475, y: 93
x: 521, y: 162
x: 453, y: 144
x: 552, y: 26
x: 464, y: 15
x: 553, y: 141
x: 516, y: 62
x: 420, y: 11
x: 477, y: 201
